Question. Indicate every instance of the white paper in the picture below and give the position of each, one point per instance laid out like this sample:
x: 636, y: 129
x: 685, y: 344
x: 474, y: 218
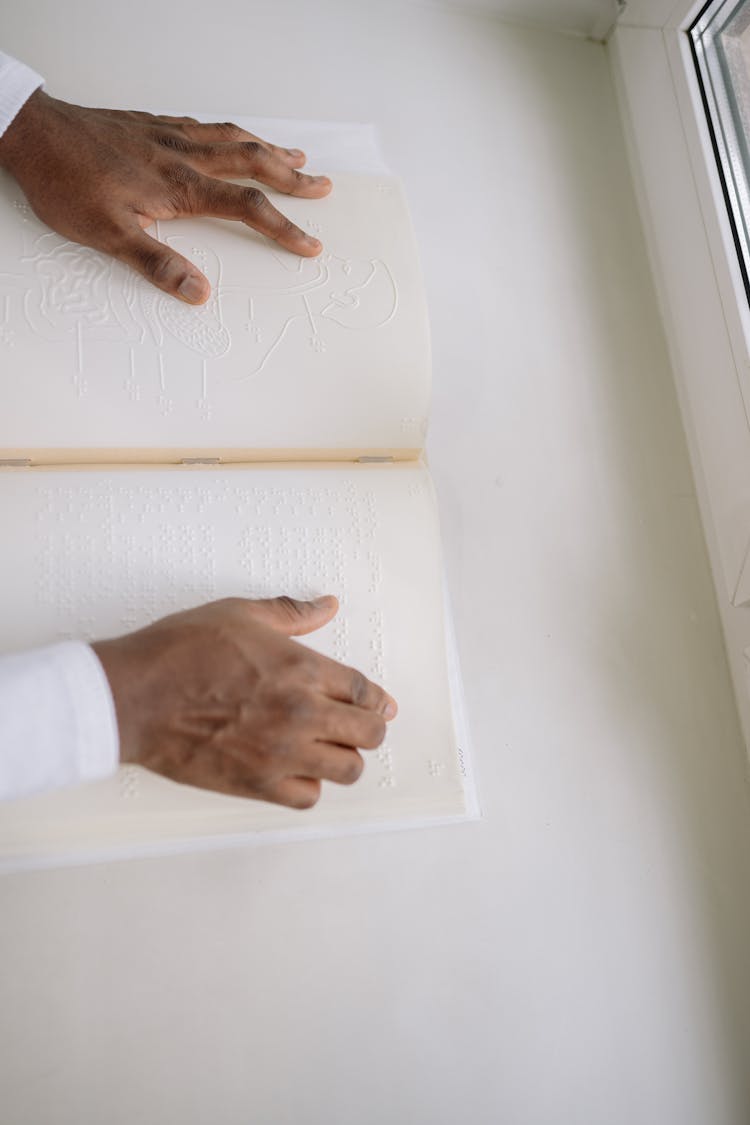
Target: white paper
x: 93, y: 554
x: 330, y: 146
x: 325, y: 353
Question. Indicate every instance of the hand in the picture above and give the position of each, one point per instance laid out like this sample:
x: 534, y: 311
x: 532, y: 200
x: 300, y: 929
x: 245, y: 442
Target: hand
x: 221, y: 698
x: 100, y: 176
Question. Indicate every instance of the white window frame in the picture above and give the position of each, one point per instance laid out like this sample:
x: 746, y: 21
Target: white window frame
x: 701, y: 290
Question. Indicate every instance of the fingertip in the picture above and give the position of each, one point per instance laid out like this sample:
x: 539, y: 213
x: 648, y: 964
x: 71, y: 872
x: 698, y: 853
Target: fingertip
x: 291, y: 616
x: 327, y: 602
x: 194, y: 289
x: 310, y: 247
x: 389, y: 710
x: 312, y: 187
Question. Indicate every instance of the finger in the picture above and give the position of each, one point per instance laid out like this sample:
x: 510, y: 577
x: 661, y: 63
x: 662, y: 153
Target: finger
x: 163, y: 266
x: 329, y: 762
x: 350, y: 726
x: 168, y: 119
x: 226, y: 132
x: 152, y: 118
x: 204, y: 196
x: 348, y: 685
x: 291, y: 617
x: 252, y: 160
x: 295, y: 792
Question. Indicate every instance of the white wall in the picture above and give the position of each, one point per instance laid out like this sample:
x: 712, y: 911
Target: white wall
x: 579, y: 958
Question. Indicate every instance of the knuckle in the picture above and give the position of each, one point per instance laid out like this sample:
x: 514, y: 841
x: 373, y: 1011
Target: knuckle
x: 352, y: 771
x: 173, y: 141
x: 297, y: 707
x: 118, y: 241
x: 203, y: 151
x: 228, y: 130
x: 288, y: 606
x: 374, y: 733
x: 262, y: 761
x: 252, y: 150
x: 155, y: 264
x: 358, y: 688
x: 181, y: 177
x: 293, y: 667
x: 253, y: 199
x: 285, y: 227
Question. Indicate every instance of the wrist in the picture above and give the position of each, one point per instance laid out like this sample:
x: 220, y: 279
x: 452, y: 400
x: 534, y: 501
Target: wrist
x: 125, y: 678
x: 22, y: 135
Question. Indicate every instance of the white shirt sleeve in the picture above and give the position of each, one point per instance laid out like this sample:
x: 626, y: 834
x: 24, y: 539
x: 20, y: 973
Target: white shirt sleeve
x: 57, y: 720
x: 17, y: 83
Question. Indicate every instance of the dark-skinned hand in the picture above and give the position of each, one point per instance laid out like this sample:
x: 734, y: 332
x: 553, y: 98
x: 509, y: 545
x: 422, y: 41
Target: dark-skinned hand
x: 101, y: 176
x: 220, y: 697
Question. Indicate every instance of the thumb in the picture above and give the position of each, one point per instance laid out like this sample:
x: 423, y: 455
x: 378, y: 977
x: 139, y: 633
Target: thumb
x: 294, y: 618
x: 164, y: 267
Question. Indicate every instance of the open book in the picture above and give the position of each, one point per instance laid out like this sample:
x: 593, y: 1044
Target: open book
x: 156, y: 456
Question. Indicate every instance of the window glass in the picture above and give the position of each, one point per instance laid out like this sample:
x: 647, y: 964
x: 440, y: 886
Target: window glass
x: 720, y: 39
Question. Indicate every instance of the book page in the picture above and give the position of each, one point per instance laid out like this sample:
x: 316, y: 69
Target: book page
x: 91, y: 554
x: 328, y: 353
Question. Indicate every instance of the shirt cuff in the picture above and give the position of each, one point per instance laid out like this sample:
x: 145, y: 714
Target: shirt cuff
x: 97, y: 735
x: 17, y: 83
x: 58, y: 724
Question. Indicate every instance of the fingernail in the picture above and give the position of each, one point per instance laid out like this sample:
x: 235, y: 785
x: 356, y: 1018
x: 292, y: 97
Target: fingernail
x: 322, y: 603
x: 192, y: 289
x: 320, y: 179
x: 313, y: 242
x: 390, y: 710
x: 295, y: 152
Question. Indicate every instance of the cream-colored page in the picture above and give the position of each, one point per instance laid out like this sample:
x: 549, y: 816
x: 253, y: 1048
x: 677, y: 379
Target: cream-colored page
x: 98, y: 553
x: 292, y: 354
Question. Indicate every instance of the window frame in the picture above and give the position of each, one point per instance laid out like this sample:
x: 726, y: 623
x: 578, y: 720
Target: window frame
x: 701, y: 289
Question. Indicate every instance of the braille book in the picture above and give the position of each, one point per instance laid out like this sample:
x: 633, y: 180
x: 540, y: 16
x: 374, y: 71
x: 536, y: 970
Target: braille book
x: 156, y: 456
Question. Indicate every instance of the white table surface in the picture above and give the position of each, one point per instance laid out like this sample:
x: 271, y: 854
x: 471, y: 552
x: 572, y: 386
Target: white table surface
x: 580, y: 956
